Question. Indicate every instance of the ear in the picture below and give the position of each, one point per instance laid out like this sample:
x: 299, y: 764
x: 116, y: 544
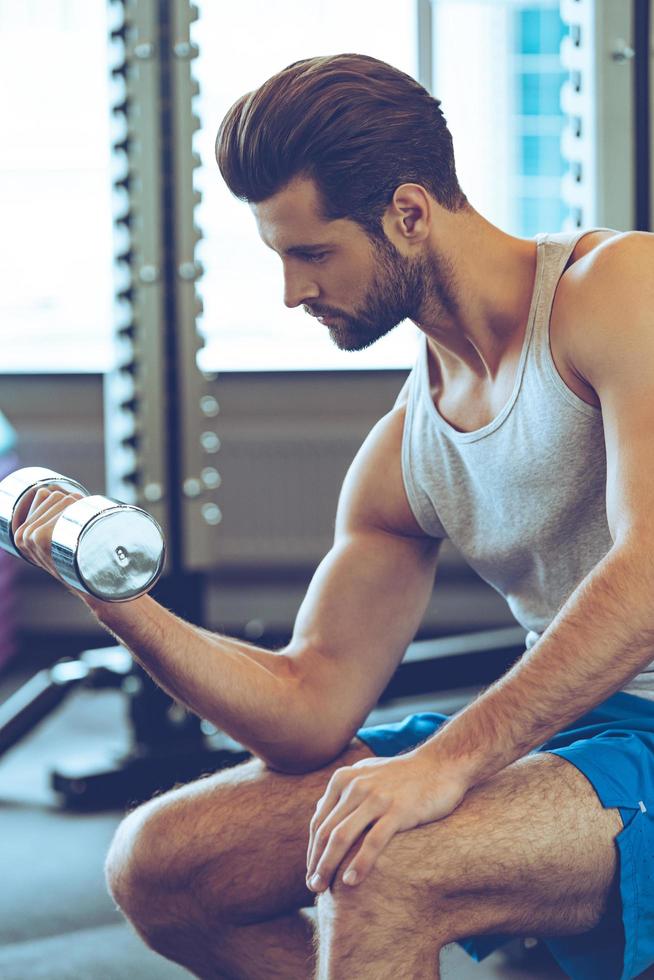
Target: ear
x: 409, y: 216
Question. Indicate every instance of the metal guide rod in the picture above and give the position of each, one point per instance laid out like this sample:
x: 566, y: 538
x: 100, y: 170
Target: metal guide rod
x: 598, y: 99
x: 160, y: 438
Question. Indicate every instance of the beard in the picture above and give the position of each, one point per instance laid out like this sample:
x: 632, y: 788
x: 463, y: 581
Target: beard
x: 400, y: 289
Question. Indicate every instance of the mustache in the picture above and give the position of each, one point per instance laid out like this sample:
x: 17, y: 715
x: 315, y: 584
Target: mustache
x: 320, y: 312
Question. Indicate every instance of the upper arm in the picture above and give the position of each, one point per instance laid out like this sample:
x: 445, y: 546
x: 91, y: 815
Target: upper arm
x: 368, y: 595
x: 606, y: 301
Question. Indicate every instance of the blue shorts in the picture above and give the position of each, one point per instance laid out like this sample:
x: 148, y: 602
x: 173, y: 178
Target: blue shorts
x: 613, y: 746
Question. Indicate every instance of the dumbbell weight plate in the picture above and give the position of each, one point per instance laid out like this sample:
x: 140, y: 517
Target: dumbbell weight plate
x: 15, y: 487
x: 112, y: 551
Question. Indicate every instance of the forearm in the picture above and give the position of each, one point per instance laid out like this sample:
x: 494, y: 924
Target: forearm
x: 601, y: 638
x: 248, y: 692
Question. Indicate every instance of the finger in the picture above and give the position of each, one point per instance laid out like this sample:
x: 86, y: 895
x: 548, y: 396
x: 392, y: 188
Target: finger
x: 40, y: 504
x: 37, y: 501
x: 40, y: 507
x: 34, y: 537
x: 324, y: 821
x: 324, y: 806
x: 43, y: 505
x: 373, y: 844
x: 355, y: 797
x: 341, y: 839
x: 27, y: 505
x: 324, y: 831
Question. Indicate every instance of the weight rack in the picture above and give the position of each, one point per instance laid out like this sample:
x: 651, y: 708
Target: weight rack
x: 159, y: 411
x: 609, y: 90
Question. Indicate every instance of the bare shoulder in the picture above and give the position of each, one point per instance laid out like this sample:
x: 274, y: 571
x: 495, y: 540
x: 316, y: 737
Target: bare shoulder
x: 373, y: 493
x: 609, y: 251
x: 606, y: 286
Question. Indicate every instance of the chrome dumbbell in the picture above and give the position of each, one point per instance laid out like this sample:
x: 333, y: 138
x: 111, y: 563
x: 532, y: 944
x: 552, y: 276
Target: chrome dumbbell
x: 109, y: 550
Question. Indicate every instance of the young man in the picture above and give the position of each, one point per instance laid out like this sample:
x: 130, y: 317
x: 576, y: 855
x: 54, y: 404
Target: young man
x: 524, y: 434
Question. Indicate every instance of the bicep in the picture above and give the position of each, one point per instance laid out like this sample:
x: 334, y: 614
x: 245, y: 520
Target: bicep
x: 369, y: 594
x: 361, y: 611
x: 609, y: 305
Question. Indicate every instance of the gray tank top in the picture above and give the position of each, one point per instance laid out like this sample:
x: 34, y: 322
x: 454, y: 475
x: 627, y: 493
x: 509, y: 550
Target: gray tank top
x: 523, y: 499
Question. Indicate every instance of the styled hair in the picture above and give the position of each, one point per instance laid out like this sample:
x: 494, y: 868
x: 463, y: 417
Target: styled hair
x: 356, y: 126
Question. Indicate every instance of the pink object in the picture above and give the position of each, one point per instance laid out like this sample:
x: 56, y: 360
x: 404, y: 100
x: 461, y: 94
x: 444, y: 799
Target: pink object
x: 8, y: 577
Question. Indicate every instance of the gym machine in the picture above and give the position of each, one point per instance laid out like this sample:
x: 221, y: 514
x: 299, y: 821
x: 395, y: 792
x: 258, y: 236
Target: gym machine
x: 159, y: 411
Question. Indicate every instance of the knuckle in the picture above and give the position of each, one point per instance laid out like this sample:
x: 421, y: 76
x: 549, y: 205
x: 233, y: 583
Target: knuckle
x: 356, y: 790
x: 40, y: 536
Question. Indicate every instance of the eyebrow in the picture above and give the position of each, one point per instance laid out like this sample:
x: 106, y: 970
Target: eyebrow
x: 304, y: 249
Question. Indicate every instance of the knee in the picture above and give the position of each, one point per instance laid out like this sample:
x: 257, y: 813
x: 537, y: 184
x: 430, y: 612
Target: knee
x: 127, y: 861
x: 136, y: 870
x: 388, y: 888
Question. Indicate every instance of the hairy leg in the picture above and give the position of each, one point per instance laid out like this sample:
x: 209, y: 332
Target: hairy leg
x: 529, y: 852
x: 212, y: 874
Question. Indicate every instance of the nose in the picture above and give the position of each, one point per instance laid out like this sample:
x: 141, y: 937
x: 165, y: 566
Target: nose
x: 298, y: 289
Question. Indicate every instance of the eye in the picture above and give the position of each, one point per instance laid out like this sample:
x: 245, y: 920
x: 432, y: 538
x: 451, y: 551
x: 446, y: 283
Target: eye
x: 316, y: 256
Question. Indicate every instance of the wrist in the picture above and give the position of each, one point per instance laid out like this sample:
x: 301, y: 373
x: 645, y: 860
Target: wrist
x: 112, y: 611
x: 462, y: 769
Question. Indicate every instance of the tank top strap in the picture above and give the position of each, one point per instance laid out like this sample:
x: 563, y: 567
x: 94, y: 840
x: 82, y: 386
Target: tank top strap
x: 555, y: 250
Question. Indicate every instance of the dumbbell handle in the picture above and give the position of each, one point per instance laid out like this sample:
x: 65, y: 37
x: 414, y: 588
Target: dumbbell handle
x: 108, y: 549
x: 15, y: 486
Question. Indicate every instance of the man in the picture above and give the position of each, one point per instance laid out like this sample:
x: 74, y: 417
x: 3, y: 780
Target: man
x: 524, y: 434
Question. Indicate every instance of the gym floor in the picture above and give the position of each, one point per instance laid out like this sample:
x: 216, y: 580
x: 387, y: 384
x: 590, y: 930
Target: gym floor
x: 56, y: 919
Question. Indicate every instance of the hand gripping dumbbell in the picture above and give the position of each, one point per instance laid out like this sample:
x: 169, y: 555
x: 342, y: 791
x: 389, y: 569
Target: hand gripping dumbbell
x: 109, y: 550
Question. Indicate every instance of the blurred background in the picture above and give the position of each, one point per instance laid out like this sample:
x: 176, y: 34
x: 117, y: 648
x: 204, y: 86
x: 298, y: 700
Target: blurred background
x: 146, y: 352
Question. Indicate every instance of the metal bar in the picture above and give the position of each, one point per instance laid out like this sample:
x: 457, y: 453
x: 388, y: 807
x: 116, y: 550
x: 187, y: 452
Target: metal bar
x: 642, y: 122
x: 160, y: 439
x: 425, y: 43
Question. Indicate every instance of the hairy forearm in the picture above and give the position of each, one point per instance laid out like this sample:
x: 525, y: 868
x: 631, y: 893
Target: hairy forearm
x: 601, y: 638
x: 248, y: 692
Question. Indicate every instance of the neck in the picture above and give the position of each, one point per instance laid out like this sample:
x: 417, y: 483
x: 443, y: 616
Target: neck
x: 487, y: 281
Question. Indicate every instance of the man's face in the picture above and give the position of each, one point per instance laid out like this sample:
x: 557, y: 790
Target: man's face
x: 333, y: 269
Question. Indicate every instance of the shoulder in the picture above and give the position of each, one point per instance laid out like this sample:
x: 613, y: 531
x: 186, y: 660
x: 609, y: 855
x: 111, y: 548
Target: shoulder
x: 373, y: 493
x: 611, y: 253
x: 604, y: 296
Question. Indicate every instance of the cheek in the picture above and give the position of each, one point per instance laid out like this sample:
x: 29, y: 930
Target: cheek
x: 348, y: 285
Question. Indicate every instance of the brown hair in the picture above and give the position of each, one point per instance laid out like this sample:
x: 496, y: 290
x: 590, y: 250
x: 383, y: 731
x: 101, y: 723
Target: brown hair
x: 355, y: 125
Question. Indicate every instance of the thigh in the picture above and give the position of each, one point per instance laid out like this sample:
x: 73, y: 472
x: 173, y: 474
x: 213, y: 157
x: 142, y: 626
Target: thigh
x: 538, y: 840
x: 559, y: 844
x: 529, y: 851
x: 238, y: 837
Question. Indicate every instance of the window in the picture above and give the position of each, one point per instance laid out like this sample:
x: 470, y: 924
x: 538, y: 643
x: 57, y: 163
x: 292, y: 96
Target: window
x: 497, y: 71
x: 55, y: 194
x: 246, y: 324
x: 499, y: 77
